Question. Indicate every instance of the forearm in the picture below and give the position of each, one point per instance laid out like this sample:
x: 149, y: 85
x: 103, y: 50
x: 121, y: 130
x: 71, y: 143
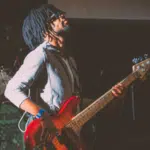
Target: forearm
x: 30, y: 107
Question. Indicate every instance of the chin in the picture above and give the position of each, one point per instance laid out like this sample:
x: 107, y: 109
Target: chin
x: 66, y: 28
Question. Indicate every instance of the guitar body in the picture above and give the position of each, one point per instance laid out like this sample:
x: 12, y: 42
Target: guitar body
x: 65, y: 139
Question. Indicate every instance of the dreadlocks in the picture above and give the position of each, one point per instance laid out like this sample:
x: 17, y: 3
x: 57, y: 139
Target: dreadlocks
x: 35, y: 25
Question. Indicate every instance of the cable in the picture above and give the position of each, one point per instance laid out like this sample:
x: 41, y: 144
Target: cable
x: 19, y: 123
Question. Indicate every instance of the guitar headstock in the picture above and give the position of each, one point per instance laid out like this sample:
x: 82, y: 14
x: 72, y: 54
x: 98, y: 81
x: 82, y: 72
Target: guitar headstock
x: 142, y: 66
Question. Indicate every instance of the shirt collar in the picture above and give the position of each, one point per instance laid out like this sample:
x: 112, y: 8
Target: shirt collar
x: 48, y: 46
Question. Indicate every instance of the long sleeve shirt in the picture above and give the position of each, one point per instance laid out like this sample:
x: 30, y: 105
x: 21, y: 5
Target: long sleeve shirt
x: 58, y: 76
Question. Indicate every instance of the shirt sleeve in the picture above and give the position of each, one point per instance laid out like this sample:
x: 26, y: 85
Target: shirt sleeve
x: 17, y: 88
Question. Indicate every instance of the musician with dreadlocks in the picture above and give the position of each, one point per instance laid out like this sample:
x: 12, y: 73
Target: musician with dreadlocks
x: 47, y: 67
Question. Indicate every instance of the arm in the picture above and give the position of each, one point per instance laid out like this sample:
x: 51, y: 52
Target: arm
x: 17, y: 88
x: 30, y: 107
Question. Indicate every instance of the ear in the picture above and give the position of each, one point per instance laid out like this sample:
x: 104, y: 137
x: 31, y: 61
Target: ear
x: 52, y: 25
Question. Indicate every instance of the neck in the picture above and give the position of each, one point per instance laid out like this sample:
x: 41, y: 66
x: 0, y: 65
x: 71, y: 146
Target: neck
x: 56, y: 41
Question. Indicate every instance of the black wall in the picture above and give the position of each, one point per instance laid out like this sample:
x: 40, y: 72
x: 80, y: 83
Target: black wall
x: 104, y: 50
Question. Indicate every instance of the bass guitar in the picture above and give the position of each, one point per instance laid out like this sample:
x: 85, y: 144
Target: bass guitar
x: 68, y: 126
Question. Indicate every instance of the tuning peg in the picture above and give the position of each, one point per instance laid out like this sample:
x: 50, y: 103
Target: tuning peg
x: 145, y: 56
x: 135, y: 60
x: 140, y: 58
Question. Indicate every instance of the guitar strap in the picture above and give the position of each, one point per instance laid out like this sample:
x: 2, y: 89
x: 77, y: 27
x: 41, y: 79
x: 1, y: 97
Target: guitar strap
x: 72, y: 72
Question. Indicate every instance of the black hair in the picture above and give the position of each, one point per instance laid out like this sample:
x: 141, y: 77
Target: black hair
x: 35, y: 24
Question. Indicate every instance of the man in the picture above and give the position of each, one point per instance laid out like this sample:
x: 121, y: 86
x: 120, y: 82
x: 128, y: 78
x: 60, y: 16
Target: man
x: 47, y: 66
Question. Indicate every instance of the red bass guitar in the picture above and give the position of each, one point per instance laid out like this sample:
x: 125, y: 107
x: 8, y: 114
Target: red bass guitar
x: 68, y: 125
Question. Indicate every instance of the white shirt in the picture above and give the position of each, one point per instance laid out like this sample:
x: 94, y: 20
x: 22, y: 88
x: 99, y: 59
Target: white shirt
x: 59, y: 83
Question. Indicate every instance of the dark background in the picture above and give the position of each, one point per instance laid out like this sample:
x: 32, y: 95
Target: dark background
x: 103, y: 49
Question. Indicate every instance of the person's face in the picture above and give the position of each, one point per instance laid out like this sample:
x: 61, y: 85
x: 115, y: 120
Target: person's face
x: 60, y: 24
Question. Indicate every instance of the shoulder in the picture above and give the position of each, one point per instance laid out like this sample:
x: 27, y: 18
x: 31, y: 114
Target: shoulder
x: 36, y: 56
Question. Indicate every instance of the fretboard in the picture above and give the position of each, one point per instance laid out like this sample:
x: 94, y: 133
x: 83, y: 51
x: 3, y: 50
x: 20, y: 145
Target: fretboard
x: 80, y: 119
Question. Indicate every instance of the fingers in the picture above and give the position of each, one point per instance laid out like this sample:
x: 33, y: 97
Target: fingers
x: 48, y: 130
x: 47, y: 133
x: 118, y: 90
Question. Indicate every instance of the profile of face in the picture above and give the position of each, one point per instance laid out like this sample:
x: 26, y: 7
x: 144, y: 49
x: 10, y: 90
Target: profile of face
x: 59, y: 24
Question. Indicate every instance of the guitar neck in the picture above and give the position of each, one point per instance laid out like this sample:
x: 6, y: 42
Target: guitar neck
x: 80, y: 119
